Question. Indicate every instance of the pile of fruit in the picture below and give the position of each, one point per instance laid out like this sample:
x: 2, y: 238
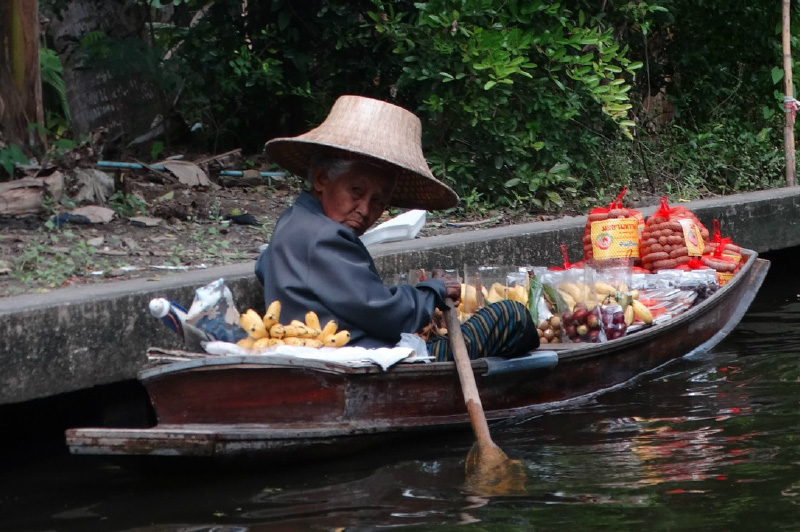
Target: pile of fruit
x: 267, y: 331
x: 598, y: 312
x: 550, y: 330
x: 472, y: 299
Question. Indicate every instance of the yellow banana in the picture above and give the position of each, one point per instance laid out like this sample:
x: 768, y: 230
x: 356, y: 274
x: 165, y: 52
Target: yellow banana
x: 293, y: 340
x: 277, y: 331
x: 313, y: 342
x: 273, y: 314
x: 604, y: 289
x: 261, y: 343
x: 573, y: 290
x: 518, y: 293
x: 328, y: 330
x: 247, y: 343
x: 641, y: 311
x: 629, y: 315
x: 568, y: 299
x: 251, y: 322
x: 298, y: 329
x: 495, y: 293
x: 337, y: 340
x: 312, y: 320
x: 276, y: 341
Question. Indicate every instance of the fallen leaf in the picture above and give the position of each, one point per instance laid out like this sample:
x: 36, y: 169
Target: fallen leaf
x: 95, y: 214
x: 188, y: 173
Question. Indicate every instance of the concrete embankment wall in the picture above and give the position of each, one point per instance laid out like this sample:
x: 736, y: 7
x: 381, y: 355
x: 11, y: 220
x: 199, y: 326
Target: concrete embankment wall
x: 79, y: 337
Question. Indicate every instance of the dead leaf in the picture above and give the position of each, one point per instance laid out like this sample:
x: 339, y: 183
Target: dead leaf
x: 145, y: 221
x: 188, y: 173
x: 95, y: 214
x: 96, y: 186
x: 25, y: 196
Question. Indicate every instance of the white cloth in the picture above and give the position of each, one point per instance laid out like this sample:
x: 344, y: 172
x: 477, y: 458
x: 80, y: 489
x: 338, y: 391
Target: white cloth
x: 385, y: 357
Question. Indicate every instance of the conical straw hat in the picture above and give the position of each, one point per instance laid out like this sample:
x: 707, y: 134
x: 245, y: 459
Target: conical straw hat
x: 377, y: 131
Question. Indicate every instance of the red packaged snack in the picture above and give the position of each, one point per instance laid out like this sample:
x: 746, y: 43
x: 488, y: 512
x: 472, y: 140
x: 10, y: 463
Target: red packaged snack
x: 612, y: 232
x: 671, y: 237
x: 731, y: 250
x: 725, y: 266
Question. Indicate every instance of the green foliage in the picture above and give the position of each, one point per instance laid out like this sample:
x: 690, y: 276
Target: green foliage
x: 42, y: 264
x: 54, y: 92
x: 126, y: 205
x: 684, y: 164
x: 156, y: 150
x: 526, y: 104
x: 510, y: 93
x: 11, y: 155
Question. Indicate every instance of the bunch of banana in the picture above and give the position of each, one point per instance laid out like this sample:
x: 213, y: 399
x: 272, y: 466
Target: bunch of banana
x: 498, y: 292
x: 574, y: 293
x: 471, y: 299
x: 268, y: 331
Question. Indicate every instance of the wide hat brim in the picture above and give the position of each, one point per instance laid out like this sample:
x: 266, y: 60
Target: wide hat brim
x: 375, y: 131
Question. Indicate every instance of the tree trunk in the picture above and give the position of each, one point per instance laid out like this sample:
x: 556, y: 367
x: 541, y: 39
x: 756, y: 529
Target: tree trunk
x: 122, y: 101
x: 790, y: 104
x: 20, y: 75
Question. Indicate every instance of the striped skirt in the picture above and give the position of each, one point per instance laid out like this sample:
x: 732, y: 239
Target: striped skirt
x: 502, y: 329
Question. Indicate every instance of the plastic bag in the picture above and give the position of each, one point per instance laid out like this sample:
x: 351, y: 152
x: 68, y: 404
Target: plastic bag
x: 580, y: 317
x: 416, y: 343
x: 612, y: 279
x: 214, y: 313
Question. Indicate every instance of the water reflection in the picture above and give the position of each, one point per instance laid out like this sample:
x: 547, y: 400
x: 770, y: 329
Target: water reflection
x: 711, y: 443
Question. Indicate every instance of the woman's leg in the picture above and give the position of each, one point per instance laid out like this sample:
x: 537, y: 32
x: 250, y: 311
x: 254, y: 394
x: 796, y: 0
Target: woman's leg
x: 502, y: 329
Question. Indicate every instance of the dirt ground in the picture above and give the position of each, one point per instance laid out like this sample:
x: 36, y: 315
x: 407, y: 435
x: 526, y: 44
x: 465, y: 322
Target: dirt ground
x: 183, y: 228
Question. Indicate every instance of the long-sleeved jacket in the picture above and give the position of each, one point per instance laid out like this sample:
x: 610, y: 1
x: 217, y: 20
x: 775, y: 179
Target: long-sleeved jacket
x: 315, y: 263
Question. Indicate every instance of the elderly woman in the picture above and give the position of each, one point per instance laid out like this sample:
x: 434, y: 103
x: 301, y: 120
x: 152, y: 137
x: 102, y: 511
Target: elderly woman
x: 365, y: 157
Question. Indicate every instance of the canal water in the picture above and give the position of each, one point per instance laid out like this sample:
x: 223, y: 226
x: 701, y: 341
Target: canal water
x: 706, y: 444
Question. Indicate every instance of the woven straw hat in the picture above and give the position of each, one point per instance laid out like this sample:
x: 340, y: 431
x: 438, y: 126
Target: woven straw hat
x: 376, y: 131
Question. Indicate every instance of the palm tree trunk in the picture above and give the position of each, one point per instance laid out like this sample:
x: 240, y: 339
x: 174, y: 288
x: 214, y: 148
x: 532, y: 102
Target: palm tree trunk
x: 20, y: 75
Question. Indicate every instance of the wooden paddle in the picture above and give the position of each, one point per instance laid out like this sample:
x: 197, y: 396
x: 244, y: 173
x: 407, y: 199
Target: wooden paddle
x: 489, y: 471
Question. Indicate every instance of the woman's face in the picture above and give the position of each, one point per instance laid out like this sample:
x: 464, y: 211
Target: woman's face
x: 357, y: 197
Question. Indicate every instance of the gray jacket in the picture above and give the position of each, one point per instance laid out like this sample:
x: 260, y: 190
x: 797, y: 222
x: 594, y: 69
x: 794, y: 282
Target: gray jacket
x: 315, y: 263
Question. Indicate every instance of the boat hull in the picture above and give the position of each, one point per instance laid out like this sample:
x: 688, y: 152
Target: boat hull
x: 229, y: 406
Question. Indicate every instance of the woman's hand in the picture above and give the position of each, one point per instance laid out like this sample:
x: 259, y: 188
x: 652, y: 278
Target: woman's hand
x: 452, y: 285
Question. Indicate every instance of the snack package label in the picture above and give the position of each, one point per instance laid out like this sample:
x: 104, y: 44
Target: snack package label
x: 615, y: 238
x: 724, y: 277
x: 737, y: 258
x: 691, y: 235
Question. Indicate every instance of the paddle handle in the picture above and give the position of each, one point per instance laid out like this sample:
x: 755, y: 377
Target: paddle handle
x: 469, y: 388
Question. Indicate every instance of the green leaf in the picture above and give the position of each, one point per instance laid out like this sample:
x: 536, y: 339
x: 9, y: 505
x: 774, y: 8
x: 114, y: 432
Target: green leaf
x: 512, y: 182
x: 777, y: 75
x: 555, y: 198
x: 283, y: 20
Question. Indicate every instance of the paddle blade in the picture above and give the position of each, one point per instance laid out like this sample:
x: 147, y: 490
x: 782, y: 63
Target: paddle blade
x: 491, y: 472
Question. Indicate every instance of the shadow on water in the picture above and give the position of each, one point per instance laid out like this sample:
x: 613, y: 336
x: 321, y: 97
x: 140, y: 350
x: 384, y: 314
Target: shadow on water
x: 708, y: 443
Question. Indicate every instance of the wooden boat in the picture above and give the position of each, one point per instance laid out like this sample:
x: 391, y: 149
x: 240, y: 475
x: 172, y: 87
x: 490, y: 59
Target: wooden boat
x: 238, y: 406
